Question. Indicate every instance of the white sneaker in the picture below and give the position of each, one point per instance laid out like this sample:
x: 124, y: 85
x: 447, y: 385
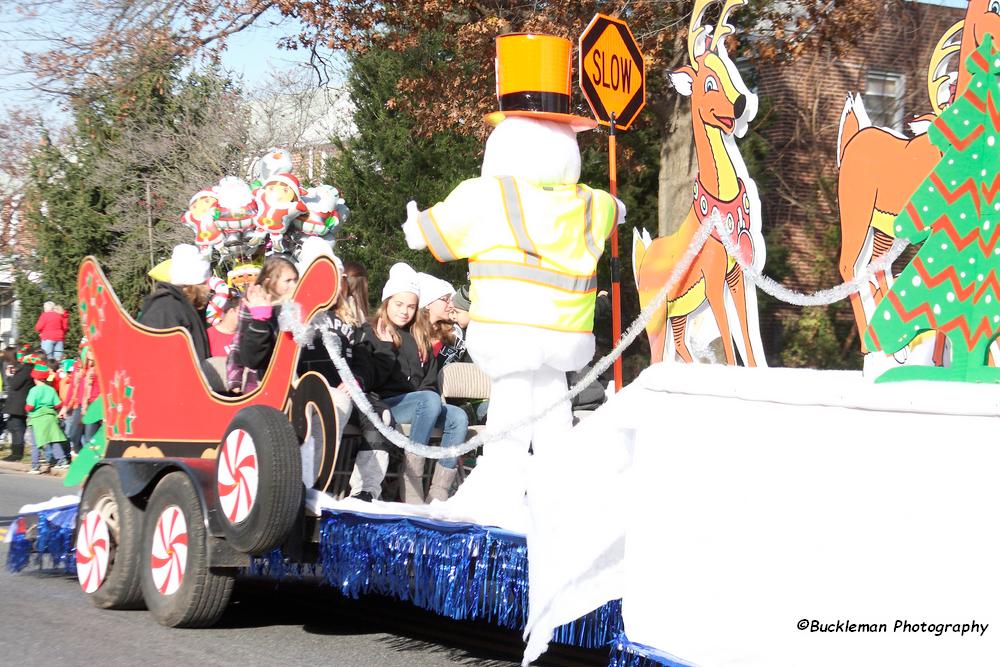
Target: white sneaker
x: 35, y: 471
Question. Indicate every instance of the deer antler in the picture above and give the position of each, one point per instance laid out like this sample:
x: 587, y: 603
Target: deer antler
x: 944, y: 49
x: 723, y: 29
x: 696, y: 30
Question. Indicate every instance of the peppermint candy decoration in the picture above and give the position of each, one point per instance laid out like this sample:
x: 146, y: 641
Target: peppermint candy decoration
x: 170, y: 548
x: 238, y: 475
x: 93, y: 550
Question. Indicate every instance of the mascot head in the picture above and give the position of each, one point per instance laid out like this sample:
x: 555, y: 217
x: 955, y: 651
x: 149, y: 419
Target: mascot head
x: 535, y: 135
x: 541, y: 151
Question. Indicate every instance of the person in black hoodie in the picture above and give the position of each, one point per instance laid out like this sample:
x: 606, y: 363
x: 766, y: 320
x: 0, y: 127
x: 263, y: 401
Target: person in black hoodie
x: 406, y: 380
x: 181, y: 302
x: 17, y: 384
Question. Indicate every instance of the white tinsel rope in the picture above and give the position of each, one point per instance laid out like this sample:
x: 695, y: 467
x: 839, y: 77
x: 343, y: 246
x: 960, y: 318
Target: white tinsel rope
x: 290, y: 319
x: 820, y: 298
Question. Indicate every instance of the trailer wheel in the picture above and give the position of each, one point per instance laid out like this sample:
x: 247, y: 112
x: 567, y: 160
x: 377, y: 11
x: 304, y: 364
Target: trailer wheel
x: 108, y: 537
x: 259, y: 480
x: 177, y: 584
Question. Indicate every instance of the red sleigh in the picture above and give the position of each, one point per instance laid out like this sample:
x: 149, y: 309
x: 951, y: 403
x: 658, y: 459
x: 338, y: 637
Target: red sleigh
x: 158, y: 403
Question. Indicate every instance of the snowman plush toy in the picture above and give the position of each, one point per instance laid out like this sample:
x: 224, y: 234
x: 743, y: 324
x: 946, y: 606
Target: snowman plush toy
x: 533, y: 236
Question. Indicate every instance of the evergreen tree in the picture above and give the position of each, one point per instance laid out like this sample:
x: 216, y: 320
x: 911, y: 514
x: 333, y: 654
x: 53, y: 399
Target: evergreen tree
x: 151, y: 129
x: 952, y: 284
x: 387, y: 163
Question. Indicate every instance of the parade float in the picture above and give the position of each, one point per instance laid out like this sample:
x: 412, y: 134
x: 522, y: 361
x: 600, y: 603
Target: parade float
x: 708, y: 514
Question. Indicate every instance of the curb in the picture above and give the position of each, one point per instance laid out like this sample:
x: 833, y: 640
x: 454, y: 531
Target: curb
x: 14, y: 466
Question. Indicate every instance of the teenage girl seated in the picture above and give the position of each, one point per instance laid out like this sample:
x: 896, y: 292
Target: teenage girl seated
x: 406, y: 380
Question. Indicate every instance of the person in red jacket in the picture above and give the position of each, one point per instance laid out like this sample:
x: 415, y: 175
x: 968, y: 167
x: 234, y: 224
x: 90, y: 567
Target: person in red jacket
x: 52, y: 326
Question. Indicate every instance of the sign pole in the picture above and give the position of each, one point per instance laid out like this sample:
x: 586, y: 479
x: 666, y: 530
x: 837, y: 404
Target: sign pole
x: 616, y: 272
x: 613, y: 81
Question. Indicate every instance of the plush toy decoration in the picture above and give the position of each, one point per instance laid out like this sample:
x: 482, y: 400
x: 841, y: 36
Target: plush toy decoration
x: 217, y: 301
x: 533, y: 237
x: 200, y: 217
x: 326, y: 209
x: 276, y: 161
x: 237, y: 209
x: 242, y: 276
x: 279, y: 203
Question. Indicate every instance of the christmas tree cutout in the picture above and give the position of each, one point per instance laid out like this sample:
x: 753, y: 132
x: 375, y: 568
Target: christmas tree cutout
x: 952, y: 284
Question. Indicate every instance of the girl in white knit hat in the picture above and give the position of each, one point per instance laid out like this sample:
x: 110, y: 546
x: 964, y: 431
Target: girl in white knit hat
x: 406, y: 373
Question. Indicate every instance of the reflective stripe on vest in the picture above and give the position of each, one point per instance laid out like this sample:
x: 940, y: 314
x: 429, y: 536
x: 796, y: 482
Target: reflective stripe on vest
x: 515, y: 217
x: 534, y: 274
x: 432, y: 235
x: 588, y: 226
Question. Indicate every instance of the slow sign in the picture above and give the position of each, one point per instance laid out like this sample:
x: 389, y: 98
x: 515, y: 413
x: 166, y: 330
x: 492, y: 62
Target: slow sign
x: 612, y: 71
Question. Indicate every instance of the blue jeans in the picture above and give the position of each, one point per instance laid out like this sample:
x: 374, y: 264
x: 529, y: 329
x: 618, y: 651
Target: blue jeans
x: 423, y: 410
x: 36, y: 451
x: 53, y: 349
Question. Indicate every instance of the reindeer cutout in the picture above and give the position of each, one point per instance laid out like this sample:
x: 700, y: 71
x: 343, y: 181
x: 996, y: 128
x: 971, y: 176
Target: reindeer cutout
x: 722, y: 107
x: 880, y: 169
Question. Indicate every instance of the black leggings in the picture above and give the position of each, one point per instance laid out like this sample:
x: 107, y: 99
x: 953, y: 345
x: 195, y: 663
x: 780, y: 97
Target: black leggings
x: 17, y: 424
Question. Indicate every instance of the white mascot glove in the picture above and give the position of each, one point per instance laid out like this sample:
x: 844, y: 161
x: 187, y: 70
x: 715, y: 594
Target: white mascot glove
x: 622, y: 212
x: 411, y: 230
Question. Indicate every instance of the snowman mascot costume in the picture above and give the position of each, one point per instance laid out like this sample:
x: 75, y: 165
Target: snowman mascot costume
x: 533, y: 237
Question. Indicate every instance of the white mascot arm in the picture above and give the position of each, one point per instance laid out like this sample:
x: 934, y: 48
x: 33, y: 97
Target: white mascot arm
x: 411, y: 230
x: 621, y: 212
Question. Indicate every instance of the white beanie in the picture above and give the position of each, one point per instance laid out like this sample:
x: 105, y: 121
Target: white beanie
x: 402, y: 278
x: 187, y: 266
x: 432, y: 289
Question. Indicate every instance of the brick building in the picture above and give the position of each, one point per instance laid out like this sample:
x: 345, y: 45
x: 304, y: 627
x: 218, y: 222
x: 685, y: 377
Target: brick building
x: 801, y: 106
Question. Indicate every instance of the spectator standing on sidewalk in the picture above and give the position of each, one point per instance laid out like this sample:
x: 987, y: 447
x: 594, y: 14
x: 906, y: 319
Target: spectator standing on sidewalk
x: 42, y: 405
x: 17, y: 382
x: 52, y: 326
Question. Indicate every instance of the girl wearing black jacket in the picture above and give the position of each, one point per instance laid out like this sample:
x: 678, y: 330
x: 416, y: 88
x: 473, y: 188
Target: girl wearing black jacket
x: 257, y: 331
x: 406, y: 380
x: 17, y: 386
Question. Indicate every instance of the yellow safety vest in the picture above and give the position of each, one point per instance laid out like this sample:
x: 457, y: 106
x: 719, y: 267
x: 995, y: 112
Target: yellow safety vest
x: 532, y: 249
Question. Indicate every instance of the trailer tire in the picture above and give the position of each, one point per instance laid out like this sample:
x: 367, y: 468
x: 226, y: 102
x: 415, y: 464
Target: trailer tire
x: 108, y: 541
x: 179, y: 587
x: 259, y: 480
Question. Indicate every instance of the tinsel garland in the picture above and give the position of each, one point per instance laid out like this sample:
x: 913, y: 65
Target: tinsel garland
x: 462, y: 571
x: 628, y: 654
x: 53, y: 537
x: 275, y: 565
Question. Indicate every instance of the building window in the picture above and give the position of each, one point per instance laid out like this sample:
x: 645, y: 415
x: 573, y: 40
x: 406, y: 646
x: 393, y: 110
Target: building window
x: 883, y: 98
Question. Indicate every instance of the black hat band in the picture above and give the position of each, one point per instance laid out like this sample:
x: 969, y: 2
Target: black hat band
x: 535, y: 101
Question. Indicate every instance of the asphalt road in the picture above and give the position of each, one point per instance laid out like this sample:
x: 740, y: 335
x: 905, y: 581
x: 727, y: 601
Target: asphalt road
x: 49, y: 622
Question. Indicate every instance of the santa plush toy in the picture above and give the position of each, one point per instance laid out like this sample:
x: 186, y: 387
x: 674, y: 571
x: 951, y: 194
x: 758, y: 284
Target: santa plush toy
x: 200, y: 216
x: 276, y: 161
x: 237, y: 209
x: 279, y: 204
x: 325, y: 209
x: 533, y: 236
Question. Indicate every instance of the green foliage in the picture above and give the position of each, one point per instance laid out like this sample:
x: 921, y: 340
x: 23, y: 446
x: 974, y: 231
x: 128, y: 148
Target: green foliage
x: 387, y: 164
x: 151, y: 129
x: 812, y: 340
x: 31, y: 296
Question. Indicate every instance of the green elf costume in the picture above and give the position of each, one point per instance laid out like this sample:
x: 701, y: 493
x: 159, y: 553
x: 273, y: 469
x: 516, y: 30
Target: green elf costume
x: 42, y: 405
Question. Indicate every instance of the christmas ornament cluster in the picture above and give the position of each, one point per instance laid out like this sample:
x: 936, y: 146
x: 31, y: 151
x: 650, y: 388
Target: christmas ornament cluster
x: 238, y: 223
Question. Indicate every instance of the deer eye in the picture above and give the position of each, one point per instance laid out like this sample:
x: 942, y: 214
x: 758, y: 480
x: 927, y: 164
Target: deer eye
x: 712, y: 84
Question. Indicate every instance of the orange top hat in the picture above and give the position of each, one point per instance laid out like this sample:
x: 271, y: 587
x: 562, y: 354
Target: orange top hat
x: 534, y: 79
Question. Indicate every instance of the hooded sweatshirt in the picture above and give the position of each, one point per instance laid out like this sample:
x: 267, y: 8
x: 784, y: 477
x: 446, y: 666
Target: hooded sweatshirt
x: 167, y: 307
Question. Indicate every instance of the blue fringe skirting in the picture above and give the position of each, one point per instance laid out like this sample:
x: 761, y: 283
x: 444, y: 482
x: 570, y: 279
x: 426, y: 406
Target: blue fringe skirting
x: 462, y: 571
x: 45, y: 538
